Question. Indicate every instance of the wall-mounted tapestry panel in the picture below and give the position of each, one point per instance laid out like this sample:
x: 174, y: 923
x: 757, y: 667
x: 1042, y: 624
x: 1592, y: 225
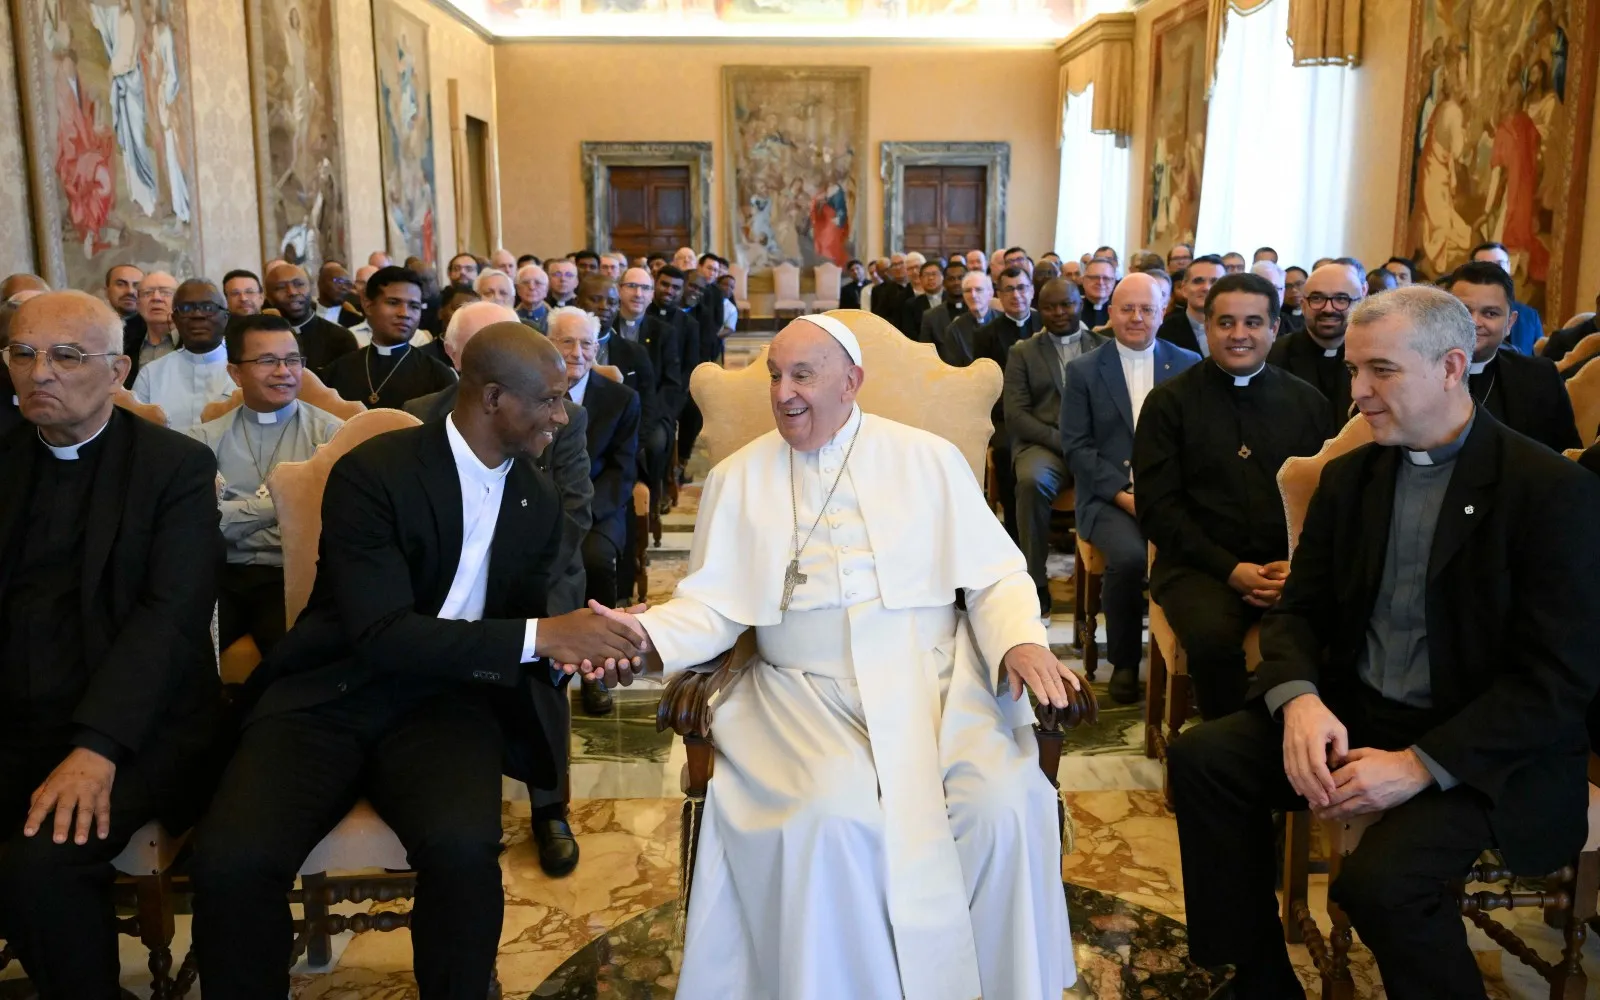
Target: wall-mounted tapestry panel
x: 1177, y: 132
x: 405, y: 131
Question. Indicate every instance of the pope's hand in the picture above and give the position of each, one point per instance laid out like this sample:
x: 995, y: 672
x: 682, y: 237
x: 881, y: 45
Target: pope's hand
x: 584, y: 637
x: 1050, y: 680
x: 615, y: 671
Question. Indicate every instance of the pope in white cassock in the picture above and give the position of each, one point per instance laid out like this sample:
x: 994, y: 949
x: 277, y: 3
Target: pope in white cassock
x: 877, y: 824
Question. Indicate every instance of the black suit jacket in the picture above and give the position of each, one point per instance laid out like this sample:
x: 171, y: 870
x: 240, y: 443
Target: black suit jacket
x: 850, y: 295
x: 708, y: 314
x: 1529, y: 396
x: 994, y: 340
x: 638, y: 374
x: 391, y: 540
x: 889, y: 298
x: 614, y: 417
x: 1563, y: 341
x: 910, y: 321
x: 152, y: 552
x: 1175, y: 329
x: 1514, y: 660
x: 133, y: 334
x: 958, y: 342
x: 322, y: 343
x: 664, y: 341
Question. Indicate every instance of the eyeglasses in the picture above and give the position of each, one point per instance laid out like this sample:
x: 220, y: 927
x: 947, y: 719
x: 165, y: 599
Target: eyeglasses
x: 198, y: 309
x: 156, y: 292
x: 270, y: 362
x: 1338, y: 300
x: 637, y: 286
x: 62, y: 357
x: 1131, y: 310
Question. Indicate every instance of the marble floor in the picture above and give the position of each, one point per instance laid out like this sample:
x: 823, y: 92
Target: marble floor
x: 609, y: 930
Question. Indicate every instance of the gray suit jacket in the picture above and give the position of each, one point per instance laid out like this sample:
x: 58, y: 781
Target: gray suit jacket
x: 1033, y: 386
x: 566, y: 462
x: 1097, y: 424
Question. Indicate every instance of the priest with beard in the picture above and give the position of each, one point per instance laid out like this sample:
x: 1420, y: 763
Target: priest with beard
x: 389, y: 372
x: 321, y: 342
x: 877, y: 824
x: 1206, y: 453
x: 1316, y: 353
x: 1523, y: 392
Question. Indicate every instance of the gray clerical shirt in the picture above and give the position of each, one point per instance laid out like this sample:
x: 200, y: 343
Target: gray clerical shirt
x: 1395, y: 660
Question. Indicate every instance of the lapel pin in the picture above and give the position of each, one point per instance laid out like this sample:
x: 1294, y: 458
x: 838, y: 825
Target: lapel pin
x: 1468, y: 509
x: 525, y: 503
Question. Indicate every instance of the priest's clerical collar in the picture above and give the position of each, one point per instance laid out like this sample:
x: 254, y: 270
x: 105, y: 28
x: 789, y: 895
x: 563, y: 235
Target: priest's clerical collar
x: 1134, y: 354
x: 388, y: 349
x: 69, y: 452
x: 1244, y: 380
x: 1330, y: 352
x: 273, y: 416
x: 216, y: 356
x: 1477, y: 367
x: 1064, y: 339
x: 1018, y: 322
x: 1445, y: 452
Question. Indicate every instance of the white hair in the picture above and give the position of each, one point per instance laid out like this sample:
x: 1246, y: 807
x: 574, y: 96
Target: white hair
x: 974, y: 277
x: 1267, y: 269
x: 530, y: 271
x: 564, y: 315
x: 1439, y: 322
x: 485, y: 276
x: 914, y: 259
x: 476, y: 316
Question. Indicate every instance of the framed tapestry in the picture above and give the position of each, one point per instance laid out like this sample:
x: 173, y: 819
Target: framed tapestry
x: 109, y: 127
x: 299, y: 168
x: 1498, y: 106
x: 796, y: 142
x: 405, y: 132
x: 1176, y: 147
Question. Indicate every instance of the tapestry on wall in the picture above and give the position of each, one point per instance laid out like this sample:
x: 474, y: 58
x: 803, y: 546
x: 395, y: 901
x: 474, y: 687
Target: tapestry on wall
x: 1177, y: 143
x: 297, y: 128
x: 796, y: 146
x: 1499, y: 98
x: 405, y: 131
x: 109, y: 126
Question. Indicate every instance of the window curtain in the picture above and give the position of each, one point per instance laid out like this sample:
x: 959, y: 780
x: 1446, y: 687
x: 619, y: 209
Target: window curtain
x: 1092, y: 205
x: 1278, y: 137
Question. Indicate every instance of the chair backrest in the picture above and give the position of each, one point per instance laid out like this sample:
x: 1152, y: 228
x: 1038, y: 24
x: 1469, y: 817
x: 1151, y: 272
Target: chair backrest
x: 1587, y: 348
x: 786, y: 280
x: 149, y: 411
x: 1538, y: 346
x: 741, y: 282
x: 297, y: 494
x: 218, y: 407
x: 1298, y: 477
x: 1577, y: 318
x: 827, y: 278
x: 611, y: 372
x: 1584, y: 391
x: 314, y: 391
x: 906, y: 382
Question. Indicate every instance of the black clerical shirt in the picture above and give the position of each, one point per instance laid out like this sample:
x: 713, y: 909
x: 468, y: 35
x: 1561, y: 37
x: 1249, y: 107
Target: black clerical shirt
x: 1094, y: 316
x: 395, y: 378
x: 1300, y: 355
x: 1206, y: 455
x: 43, y: 673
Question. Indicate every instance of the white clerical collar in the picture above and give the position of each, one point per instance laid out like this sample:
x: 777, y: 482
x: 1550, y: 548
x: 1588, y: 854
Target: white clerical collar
x: 1130, y: 354
x: 69, y: 452
x: 388, y: 349
x: 1019, y: 322
x: 1445, y: 452
x: 468, y: 463
x: 1065, y: 339
x: 216, y: 356
x: 1243, y: 380
x: 1477, y: 367
x: 845, y: 433
x: 934, y: 298
x: 1330, y: 352
x: 273, y: 416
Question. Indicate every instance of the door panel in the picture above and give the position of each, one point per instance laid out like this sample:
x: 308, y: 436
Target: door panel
x: 944, y: 209
x: 649, y: 209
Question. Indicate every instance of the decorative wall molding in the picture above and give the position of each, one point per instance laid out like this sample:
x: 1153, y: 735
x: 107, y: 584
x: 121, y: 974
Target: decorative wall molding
x: 600, y: 157
x: 894, y: 157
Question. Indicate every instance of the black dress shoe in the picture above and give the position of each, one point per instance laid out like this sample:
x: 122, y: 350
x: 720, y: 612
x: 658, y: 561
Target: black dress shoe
x: 558, y: 848
x: 596, y: 699
x: 1125, y: 685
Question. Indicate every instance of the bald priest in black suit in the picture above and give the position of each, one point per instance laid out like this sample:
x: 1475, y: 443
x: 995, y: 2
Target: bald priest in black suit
x: 410, y: 680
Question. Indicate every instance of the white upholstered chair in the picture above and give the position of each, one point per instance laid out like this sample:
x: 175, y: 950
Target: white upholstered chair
x: 787, y: 302
x: 827, y: 291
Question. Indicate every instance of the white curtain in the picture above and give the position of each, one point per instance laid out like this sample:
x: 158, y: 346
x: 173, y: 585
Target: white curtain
x: 1092, y: 207
x: 1278, y: 137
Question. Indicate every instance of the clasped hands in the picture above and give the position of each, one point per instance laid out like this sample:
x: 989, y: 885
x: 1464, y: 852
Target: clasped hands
x: 601, y: 643
x: 1260, y: 585
x: 1336, y: 781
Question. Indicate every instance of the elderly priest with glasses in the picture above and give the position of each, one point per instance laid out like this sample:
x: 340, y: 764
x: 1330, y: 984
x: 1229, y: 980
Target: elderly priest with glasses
x: 109, y: 699
x: 877, y: 824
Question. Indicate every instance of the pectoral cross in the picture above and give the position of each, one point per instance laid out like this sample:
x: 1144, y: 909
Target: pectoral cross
x: 1244, y: 451
x: 262, y: 493
x: 792, y: 578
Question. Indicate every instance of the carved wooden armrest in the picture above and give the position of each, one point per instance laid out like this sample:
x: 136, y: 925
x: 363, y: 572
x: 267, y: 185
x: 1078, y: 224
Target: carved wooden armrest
x: 1083, y: 709
x: 686, y: 702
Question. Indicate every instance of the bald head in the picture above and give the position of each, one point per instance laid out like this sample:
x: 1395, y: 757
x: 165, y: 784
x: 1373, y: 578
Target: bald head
x: 68, y: 403
x: 288, y: 291
x: 513, y: 356
x: 1136, y: 310
x: 21, y: 283
x: 467, y: 321
x: 72, y: 317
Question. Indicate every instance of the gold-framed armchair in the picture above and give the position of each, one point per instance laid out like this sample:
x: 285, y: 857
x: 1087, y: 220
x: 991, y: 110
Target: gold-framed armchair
x: 906, y: 382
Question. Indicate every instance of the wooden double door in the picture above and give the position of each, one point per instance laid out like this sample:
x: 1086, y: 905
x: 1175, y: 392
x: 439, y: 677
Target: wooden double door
x: 944, y: 209
x: 649, y: 209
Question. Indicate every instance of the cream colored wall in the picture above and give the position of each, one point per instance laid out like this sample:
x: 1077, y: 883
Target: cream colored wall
x: 672, y: 92
x: 454, y: 52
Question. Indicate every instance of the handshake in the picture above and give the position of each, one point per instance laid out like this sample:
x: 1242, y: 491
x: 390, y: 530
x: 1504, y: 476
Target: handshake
x: 601, y: 643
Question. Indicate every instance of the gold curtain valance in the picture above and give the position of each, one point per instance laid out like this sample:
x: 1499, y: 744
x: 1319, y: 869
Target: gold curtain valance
x: 1100, y: 52
x: 1321, y: 32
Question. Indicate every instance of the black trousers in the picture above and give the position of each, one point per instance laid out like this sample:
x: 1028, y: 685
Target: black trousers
x: 1210, y: 619
x: 1116, y: 535
x: 600, y: 568
x: 250, y: 602
x: 430, y: 765
x: 1006, y: 484
x: 689, y: 423
x: 55, y: 899
x: 1041, y: 475
x: 1398, y: 887
x: 654, y: 446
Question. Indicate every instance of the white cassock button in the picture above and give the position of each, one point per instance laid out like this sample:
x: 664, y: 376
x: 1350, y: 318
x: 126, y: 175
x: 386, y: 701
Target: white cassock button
x: 850, y: 594
x: 827, y: 470
x: 846, y: 572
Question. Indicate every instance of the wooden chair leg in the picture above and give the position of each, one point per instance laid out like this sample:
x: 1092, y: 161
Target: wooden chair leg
x: 1155, y: 701
x: 1296, y: 868
x: 1091, y: 612
x: 319, y: 941
x: 1079, y: 602
x: 153, y: 898
x: 1337, y: 983
x: 1568, y: 980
